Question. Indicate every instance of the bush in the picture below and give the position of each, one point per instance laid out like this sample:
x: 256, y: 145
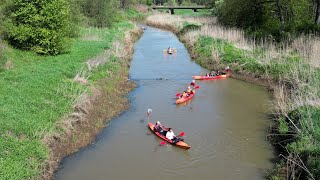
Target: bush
x: 39, y: 25
x: 101, y: 13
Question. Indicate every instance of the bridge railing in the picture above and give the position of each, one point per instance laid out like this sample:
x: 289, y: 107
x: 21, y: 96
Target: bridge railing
x: 180, y: 7
x: 172, y: 8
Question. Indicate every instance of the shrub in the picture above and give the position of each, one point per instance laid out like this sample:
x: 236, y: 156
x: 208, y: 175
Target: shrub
x: 38, y: 25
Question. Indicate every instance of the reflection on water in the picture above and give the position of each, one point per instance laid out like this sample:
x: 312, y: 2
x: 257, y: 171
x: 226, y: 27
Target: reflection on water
x: 225, y: 124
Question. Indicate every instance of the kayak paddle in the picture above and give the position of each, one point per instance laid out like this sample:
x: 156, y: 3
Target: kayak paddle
x: 163, y: 143
x: 181, y: 134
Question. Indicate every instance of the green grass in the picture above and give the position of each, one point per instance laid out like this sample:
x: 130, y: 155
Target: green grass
x: 37, y: 92
x: 135, y: 15
x: 228, y: 54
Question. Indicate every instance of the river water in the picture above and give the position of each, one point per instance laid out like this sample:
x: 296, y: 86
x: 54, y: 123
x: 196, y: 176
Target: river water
x: 225, y: 124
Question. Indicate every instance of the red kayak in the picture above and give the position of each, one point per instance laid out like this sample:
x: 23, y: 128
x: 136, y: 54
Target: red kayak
x: 179, y: 143
x: 181, y: 100
x: 210, y: 77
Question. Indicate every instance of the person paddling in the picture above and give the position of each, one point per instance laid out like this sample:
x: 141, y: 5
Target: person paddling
x: 170, y: 135
x: 212, y: 73
x: 189, y: 90
x: 158, y: 127
x: 193, y: 83
x: 227, y: 69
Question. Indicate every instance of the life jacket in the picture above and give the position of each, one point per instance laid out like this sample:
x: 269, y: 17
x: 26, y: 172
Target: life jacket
x: 184, y: 95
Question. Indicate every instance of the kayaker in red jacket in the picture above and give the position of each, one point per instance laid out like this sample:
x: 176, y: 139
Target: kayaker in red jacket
x: 227, y: 69
x: 193, y: 83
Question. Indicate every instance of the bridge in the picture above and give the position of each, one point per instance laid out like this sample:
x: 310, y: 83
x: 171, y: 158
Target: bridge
x: 172, y: 8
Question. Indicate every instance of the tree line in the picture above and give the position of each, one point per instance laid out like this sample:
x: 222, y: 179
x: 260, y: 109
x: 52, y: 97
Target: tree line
x: 46, y: 26
x: 278, y: 18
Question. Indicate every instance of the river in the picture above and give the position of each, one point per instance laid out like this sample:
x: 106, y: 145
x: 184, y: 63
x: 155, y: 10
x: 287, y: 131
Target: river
x: 225, y: 124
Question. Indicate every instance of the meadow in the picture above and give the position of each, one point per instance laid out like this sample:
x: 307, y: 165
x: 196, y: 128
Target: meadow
x: 39, y: 92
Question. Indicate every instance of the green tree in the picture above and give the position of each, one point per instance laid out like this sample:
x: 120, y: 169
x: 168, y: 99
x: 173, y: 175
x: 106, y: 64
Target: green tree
x: 38, y: 25
x: 127, y: 3
x: 101, y: 13
x: 278, y: 18
x: 172, y: 3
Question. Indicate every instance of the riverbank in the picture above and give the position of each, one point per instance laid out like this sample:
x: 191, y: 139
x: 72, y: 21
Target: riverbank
x: 290, y: 71
x: 53, y: 105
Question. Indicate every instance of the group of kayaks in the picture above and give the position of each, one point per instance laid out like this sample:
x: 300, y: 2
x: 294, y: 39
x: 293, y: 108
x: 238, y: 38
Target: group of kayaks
x: 182, y: 144
x: 184, y: 99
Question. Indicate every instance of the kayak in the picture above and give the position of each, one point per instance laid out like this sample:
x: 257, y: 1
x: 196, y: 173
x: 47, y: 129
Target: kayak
x: 170, y: 51
x: 179, y: 143
x: 210, y: 77
x: 181, y: 100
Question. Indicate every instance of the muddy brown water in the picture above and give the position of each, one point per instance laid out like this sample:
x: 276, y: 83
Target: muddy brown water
x: 225, y: 124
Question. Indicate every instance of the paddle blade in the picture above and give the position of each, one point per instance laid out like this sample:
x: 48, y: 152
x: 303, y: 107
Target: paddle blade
x: 178, y: 94
x: 181, y: 134
x: 197, y: 87
x: 163, y: 143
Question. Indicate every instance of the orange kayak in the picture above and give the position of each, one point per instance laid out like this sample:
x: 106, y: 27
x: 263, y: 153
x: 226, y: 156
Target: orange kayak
x: 181, y: 100
x: 210, y: 77
x: 179, y: 143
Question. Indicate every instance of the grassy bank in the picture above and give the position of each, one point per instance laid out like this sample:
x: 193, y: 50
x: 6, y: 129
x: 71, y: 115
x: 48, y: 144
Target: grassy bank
x: 45, y: 100
x: 291, y: 70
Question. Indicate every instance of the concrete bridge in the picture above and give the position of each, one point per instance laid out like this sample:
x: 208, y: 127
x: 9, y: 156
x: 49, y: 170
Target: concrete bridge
x: 172, y: 8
